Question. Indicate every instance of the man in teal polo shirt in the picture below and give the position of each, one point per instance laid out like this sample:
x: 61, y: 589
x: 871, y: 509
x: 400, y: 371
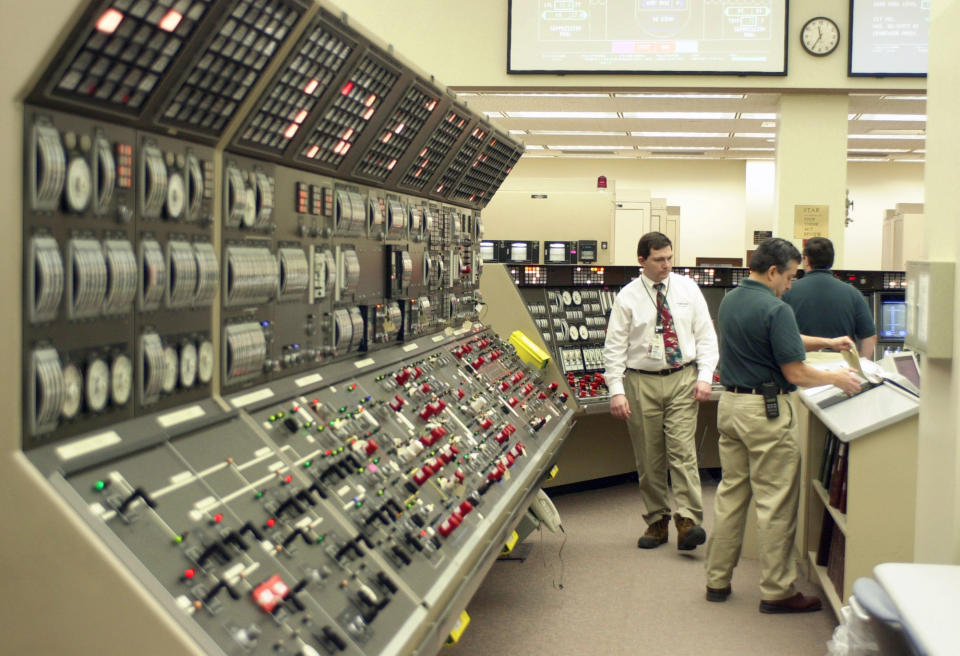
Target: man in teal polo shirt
x: 761, y: 347
x: 828, y: 307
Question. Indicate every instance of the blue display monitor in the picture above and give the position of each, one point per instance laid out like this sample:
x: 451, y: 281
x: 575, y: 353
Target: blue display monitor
x: 892, y: 318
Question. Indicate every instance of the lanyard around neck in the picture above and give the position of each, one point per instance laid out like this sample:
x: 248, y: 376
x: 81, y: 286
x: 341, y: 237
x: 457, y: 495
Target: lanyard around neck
x: 657, y: 304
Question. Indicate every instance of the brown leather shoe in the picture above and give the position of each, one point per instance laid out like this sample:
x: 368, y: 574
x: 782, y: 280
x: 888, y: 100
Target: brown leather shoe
x: 718, y: 594
x: 689, y: 535
x: 656, y: 534
x: 795, y: 604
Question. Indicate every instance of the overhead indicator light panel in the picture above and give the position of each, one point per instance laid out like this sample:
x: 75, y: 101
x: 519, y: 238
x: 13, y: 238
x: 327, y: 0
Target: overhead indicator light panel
x: 428, y: 160
x: 304, y: 78
x: 397, y: 133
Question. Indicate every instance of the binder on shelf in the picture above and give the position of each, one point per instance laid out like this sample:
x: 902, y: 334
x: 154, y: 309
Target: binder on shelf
x: 839, y: 475
x: 835, y: 560
x: 827, y: 528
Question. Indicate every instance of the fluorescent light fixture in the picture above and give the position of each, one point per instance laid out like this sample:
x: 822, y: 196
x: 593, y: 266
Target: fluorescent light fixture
x: 760, y: 148
x: 582, y: 133
x: 763, y: 116
x: 729, y: 96
x: 655, y: 156
x: 882, y: 150
x: 907, y: 132
x: 913, y: 137
x: 903, y: 98
x: 750, y: 157
x: 894, y: 117
x: 534, y: 147
x: 562, y: 115
x: 920, y: 150
x: 720, y: 135
x: 493, y: 114
x: 850, y: 117
x: 591, y: 147
x: 538, y: 156
x: 680, y: 147
x: 867, y: 159
x: 542, y: 94
x: 517, y: 131
x: 768, y: 124
x: 705, y: 116
x: 754, y: 135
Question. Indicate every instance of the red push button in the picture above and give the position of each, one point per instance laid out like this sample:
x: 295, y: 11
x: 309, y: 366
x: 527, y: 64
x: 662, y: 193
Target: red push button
x: 270, y: 593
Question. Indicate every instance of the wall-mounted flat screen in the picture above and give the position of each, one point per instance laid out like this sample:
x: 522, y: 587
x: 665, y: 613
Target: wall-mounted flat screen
x: 488, y: 251
x: 518, y: 251
x: 647, y: 36
x: 892, y: 325
x: 889, y: 38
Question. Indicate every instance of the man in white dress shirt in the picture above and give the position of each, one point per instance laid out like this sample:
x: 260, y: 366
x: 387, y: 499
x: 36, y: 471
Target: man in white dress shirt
x: 660, y: 354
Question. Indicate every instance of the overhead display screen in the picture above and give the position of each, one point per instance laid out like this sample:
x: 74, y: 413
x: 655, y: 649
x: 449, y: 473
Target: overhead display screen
x: 647, y: 36
x: 889, y: 37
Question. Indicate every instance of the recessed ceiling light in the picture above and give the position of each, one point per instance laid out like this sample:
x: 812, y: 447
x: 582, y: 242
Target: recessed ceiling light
x: 887, y: 134
x: 534, y: 147
x: 894, y: 117
x: 882, y: 150
x: 760, y: 148
x: 763, y: 116
x: 680, y: 147
x: 753, y: 135
x: 542, y: 94
x: 562, y: 115
x: 768, y: 124
x: 712, y: 116
x: 582, y: 133
x: 493, y: 114
x: 595, y: 147
x: 903, y: 97
x: 656, y: 156
x: 867, y: 159
x: 733, y: 96
x: 517, y: 131
x: 721, y: 135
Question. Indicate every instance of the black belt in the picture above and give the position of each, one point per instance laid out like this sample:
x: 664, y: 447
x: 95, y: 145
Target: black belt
x: 750, y: 390
x: 664, y: 372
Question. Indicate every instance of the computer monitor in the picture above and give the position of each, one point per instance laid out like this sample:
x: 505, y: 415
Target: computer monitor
x: 488, y: 251
x: 892, y: 318
x: 518, y: 251
x: 906, y: 366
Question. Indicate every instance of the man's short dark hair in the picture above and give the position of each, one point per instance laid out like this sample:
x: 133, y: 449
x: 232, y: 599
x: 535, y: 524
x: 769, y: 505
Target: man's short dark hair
x: 652, y: 241
x: 774, y: 252
x: 819, y: 250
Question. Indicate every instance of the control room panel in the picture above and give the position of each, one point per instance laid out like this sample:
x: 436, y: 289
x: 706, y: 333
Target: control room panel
x: 251, y: 357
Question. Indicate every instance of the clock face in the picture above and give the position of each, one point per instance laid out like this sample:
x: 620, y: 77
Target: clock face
x: 820, y: 36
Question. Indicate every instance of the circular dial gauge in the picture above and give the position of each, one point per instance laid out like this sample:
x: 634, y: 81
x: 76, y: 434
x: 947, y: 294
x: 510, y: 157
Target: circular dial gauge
x: 577, y: 299
x: 584, y: 332
x: 121, y: 380
x: 574, y: 333
x: 171, y: 366
x: 820, y: 36
x: 205, y: 362
x: 176, y: 196
x: 98, y: 385
x: 79, y: 187
x: 249, y: 207
x: 72, y: 391
x: 567, y: 298
x: 188, y: 364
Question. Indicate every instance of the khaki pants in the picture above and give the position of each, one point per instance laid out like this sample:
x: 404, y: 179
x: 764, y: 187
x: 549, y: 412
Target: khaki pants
x: 662, y: 426
x: 760, y: 459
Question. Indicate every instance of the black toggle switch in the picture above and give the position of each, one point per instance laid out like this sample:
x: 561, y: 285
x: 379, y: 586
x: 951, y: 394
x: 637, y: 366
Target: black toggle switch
x: 137, y: 493
x: 215, y: 549
x: 332, y: 636
x: 290, y: 503
x: 249, y: 527
x: 292, y: 424
x: 234, y: 538
x: 402, y: 555
x: 319, y: 490
x: 304, y: 495
x: 297, y: 533
x: 222, y: 585
x: 387, y: 582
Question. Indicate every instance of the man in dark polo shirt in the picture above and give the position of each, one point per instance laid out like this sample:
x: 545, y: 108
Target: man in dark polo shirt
x: 761, y: 347
x: 828, y: 307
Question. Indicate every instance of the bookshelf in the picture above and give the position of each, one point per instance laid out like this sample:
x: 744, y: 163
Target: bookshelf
x: 879, y: 523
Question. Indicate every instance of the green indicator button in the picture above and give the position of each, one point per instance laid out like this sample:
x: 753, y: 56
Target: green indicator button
x: 273, y: 417
x: 307, y: 463
x: 99, y: 485
x: 320, y: 538
x: 379, y: 493
x: 259, y: 495
x: 178, y: 539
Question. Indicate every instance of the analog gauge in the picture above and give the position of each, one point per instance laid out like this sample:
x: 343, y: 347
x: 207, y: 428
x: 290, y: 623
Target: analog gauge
x: 574, y: 333
x: 176, y: 196
x: 171, y: 366
x: 188, y: 364
x: 577, y: 298
x: 72, y: 391
x: 205, y: 362
x: 105, y: 172
x: 98, y: 385
x: 79, y: 186
x: 584, y: 332
x: 567, y: 298
x: 249, y: 217
x: 194, y: 187
x: 121, y: 379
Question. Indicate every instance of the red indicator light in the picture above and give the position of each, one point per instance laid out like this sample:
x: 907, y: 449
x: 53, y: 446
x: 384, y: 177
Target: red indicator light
x: 417, y: 174
x: 189, y: 574
x: 392, y: 163
x: 170, y: 20
x: 288, y: 479
x: 399, y: 128
x: 347, y: 88
x: 109, y: 21
x: 313, y: 151
x: 423, y: 153
x: 270, y: 593
x: 339, y: 147
x: 347, y: 134
x: 218, y: 518
x: 291, y: 130
x: 346, y: 147
x: 367, y: 114
x: 372, y: 98
x: 431, y: 105
x: 271, y: 522
x: 302, y: 114
x: 311, y: 86
x: 452, y: 118
x: 440, y: 188
x: 386, y: 137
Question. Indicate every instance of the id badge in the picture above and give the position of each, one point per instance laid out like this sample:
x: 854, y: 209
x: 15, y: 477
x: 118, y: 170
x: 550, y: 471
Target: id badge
x: 655, y: 350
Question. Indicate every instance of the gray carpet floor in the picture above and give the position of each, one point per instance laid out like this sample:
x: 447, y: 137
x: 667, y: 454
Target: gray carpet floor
x: 617, y: 599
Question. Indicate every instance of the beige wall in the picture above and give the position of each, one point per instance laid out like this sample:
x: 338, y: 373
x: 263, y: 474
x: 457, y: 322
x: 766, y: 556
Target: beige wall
x: 876, y: 187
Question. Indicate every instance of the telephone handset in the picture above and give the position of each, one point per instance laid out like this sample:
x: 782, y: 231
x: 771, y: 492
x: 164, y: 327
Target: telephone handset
x: 544, y: 510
